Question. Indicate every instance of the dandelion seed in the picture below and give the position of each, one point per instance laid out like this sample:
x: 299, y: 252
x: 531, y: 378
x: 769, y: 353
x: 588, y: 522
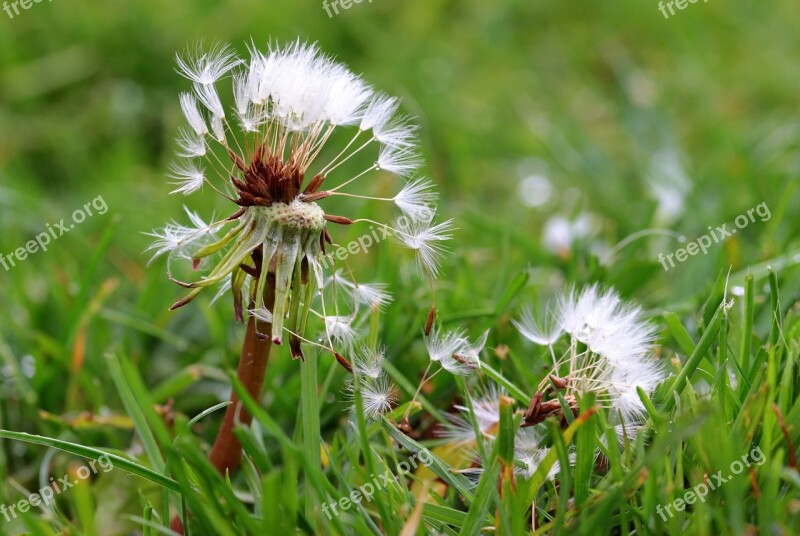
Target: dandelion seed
x: 191, y: 144
x: 442, y: 345
x: 426, y: 239
x: 487, y: 417
x: 176, y: 239
x: 192, y: 114
x: 369, y: 362
x: 262, y: 314
x: 372, y: 295
x: 529, y: 453
x: 399, y: 161
x: 535, y: 331
x: 397, y: 133
x: 208, y: 96
x: 466, y: 357
x: 377, y: 397
x: 379, y: 112
x: 188, y: 177
x: 207, y: 67
x: 340, y: 329
x: 417, y: 200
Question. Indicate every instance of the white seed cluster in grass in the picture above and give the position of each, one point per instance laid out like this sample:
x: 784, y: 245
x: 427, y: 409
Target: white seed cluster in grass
x: 609, y: 352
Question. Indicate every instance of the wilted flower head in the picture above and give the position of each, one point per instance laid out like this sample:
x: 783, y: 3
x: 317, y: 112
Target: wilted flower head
x: 272, y: 155
x: 610, y: 352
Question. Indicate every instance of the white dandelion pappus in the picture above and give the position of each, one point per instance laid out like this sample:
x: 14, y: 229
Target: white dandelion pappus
x: 417, y: 200
x: 530, y: 454
x: 191, y: 144
x: 466, y: 359
x: 207, y: 67
x: 426, y: 239
x: 400, y: 161
x: 176, y: 240
x: 373, y: 295
x: 262, y: 315
x: 340, y: 329
x: 442, y: 345
x: 192, y: 114
x: 378, y: 392
x: 538, y: 331
x: 189, y: 177
x: 377, y: 397
x: 369, y: 362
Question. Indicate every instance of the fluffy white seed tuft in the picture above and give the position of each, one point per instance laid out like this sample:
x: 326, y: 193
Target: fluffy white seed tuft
x: 189, y: 177
x: 427, y: 240
x: 209, y: 66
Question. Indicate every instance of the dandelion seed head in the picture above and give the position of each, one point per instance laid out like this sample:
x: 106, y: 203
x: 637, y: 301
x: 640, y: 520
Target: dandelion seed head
x: 618, y: 357
x: 283, y: 154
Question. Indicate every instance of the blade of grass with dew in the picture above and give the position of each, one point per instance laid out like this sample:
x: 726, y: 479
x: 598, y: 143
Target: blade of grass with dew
x: 506, y: 518
x: 679, y: 333
x: 81, y: 498
x: 512, y: 389
x: 585, y: 449
x: 746, y: 348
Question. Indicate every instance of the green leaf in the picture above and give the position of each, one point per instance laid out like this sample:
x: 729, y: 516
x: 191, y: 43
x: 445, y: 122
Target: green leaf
x: 95, y: 454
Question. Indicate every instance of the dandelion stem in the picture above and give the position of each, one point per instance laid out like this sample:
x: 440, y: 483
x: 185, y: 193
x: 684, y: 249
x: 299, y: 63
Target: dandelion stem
x: 227, y: 451
x: 226, y: 454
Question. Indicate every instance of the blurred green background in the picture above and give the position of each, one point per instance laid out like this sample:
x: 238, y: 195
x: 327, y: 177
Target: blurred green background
x: 554, y: 131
